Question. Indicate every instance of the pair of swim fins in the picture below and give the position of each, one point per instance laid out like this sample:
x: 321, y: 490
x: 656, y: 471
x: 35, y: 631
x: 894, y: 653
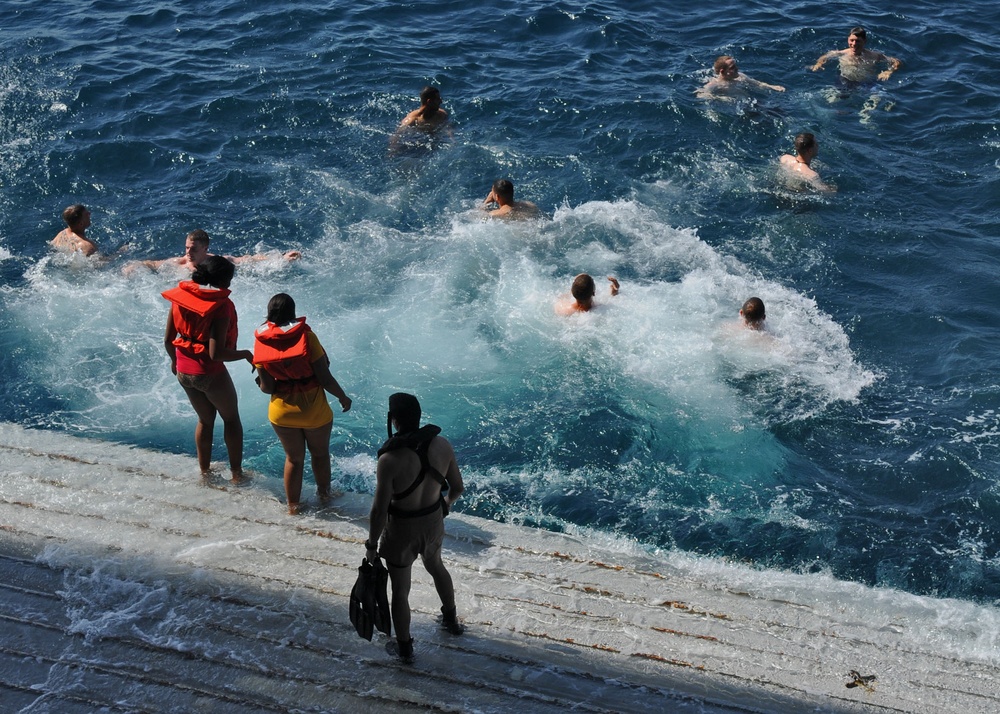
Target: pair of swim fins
x: 369, y: 600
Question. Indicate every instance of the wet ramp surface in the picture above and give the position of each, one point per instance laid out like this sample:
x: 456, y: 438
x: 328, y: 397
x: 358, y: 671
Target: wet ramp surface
x: 127, y: 585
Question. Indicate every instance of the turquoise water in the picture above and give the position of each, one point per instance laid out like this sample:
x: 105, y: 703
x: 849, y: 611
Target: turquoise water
x: 861, y: 439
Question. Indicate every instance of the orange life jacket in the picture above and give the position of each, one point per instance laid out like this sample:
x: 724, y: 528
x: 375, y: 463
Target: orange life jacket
x: 194, y: 308
x: 284, y: 353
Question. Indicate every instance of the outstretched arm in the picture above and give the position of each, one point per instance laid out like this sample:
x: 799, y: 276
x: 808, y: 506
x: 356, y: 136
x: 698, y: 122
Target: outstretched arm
x: 894, y: 64
x: 823, y: 60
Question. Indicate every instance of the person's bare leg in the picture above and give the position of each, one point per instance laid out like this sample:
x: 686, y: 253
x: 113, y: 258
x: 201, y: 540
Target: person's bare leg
x: 318, y: 442
x: 294, y: 442
x: 223, y: 397
x: 203, y: 432
x: 400, y: 604
x: 445, y: 590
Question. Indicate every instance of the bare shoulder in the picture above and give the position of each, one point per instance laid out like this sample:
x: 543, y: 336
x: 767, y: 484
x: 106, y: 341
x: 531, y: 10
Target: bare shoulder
x: 410, y: 118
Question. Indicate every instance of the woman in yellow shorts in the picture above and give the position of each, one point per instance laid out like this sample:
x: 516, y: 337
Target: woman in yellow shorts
x: 295, y: 370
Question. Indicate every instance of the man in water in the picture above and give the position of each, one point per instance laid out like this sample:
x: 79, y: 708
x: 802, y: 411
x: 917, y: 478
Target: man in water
x: 728, y: 81
x: 502, y: 196
x: 857, y: 64
x: 797, y: 169
x: 417, y: 481
x: 74, y: 236
x: 582, y: 293
x: 427, y: 120
x: 753, y: 314
x: 196, y: 251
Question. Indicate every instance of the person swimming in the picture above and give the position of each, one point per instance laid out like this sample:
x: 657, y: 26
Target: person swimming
x: 728, y: 82
x: 581, y: 297
x: 859, y: 65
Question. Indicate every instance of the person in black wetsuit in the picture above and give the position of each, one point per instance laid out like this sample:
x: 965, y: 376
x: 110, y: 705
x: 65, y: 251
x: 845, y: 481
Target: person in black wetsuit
x: 417, y: 482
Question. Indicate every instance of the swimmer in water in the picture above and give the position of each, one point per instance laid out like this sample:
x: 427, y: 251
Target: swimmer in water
x: 502, y: 196
x: 797, y: 169
x: 428, y: 119
x: 196, y: 252
x: 73, y: 238
x: 859, y: 65
x: 728, y: 81
x: 753, y: 315
x: 581, y: 297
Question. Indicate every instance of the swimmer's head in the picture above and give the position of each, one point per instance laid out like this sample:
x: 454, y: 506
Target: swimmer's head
x: 753, y: 313
x: 857, y: 39
x: 583, y: 288
x: 281, y: 309
x: 725, y: 66
x: 196, y: 246
x: 404, y: 409
x: 199, y: 236
x: 804, y: 143
x: 504, y: 189
x: 430, y: 94
x: 76, y: 215
x: 215, y: 271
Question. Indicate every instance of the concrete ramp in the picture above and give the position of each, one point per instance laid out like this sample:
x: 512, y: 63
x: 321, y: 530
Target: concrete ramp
x: 128, y: 585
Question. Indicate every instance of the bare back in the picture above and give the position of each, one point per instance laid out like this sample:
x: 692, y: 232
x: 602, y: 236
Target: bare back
x: 401, y: 466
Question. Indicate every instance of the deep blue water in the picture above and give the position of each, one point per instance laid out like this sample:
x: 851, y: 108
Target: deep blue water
x: 862, y: 439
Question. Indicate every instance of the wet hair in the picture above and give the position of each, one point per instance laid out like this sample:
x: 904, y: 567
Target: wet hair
x: 753, y: 311
x: 504, y: 188
x: 215, y: 271
x: 859, y: 32
x: 199, y: 236
x: 73, y: 214
x: 720, y: 62
x: 583, y: 287
x: 405, y: 410
x: 281, y: 309
x: 804, y: 142
x: 428, y: 93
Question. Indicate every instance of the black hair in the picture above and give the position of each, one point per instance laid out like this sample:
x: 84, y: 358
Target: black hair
x: 405, y: 410
x: 215, y: 271
x: 281, y: 309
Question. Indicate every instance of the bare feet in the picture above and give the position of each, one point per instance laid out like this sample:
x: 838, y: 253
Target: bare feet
x: 293, y: 509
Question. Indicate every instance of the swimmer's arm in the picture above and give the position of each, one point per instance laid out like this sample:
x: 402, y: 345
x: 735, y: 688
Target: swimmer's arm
x: 894, y: 64
x: 707, y: 90
x: 87, y: 247
x: 821, y: 185
x: 772, y: 87
x: 257, y: 257
x: 615, y: 287
x: 321, y: 368
x: 168, y: 341
x: 823, y: 59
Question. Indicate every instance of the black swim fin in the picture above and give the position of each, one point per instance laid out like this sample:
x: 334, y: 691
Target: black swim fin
x: 362, y: 607
x: 380, y: 582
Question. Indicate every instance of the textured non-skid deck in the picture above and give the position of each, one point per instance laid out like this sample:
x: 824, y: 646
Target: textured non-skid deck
x: 127, y: 585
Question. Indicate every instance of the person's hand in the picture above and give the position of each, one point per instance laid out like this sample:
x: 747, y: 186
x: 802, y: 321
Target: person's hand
x: 247, y: 355
x: 293, y: 255
x: 817, y: 66
x: 345, y: 403
x: 614, y: 285
x: 885, y: 75
x: 491, y: 198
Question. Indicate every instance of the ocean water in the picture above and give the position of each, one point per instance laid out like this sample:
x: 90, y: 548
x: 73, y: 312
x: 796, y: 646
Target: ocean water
x: 859, y: 440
